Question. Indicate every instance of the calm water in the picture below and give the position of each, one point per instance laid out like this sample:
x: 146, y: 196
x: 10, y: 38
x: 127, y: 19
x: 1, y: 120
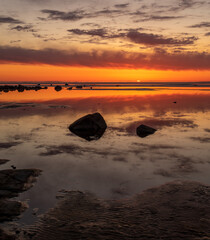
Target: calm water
x: 35, y: 127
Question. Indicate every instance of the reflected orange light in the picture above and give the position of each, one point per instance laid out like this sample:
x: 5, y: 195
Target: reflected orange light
x: 51, y: 94
x: 39, y: 73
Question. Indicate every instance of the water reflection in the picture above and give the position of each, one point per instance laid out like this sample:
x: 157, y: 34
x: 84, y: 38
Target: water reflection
x: 35, y: 134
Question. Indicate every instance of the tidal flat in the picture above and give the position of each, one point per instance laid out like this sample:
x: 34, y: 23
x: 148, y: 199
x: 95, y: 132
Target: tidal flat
x: 119, y: 186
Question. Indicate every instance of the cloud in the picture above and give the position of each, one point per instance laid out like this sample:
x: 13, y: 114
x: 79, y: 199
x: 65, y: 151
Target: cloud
x: 26, y: 28
x: 201, y: 139
x: 5, y: 145
x: 99, y: 58
x: 159, y: 18
x: 93, y: 32
x: 186, y: 4
x: 201, y: 25
x: 135, y: 36
x: 65, y: 16
x: 123, y: 5
x: 79, y: 14
x: 9, y: 20
x: 154, y: 39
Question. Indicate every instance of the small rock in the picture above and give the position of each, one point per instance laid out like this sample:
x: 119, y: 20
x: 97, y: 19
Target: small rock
x: 143, y: 131
x: 58, y: 88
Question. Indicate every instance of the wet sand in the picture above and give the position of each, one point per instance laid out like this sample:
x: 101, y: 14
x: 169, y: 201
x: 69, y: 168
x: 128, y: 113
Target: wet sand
x: 176, y: 210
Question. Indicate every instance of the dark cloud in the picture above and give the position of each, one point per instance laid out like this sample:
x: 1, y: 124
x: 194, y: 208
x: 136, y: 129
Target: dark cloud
x: 79, y: 14
x: 134, y: 36
x: 65, y: 16
x: 124, y: 5
x: 15, y: 41
x: 26, y: 28
x: 9, y: 20
x: 154, y: 39
x: 201, y: 25
x: 6, y: 145
x: 91, y: 24
x: 160, y: 18
x: 118, y: 59
x: 201, y: 139
x: 101, y: 32
x: 75, y: 150
x: 186, y: 4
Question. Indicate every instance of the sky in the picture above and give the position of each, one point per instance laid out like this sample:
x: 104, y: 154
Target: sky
x: 95, y: 40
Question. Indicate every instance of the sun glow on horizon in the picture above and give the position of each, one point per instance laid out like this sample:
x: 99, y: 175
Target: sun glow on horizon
x: 40, y: 73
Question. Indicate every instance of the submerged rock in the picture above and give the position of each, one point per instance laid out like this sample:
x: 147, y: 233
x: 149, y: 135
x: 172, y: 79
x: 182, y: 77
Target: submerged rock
x: 143, y: 131
x: 58, y: 88
x: 11, y: 209
x: 15, y: 181
x: 89, y: 127
x: 79, y: 86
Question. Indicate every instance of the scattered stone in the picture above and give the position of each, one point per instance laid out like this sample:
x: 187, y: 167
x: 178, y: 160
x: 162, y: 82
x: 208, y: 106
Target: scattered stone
x: 174, y: 102
x: 143, y: 131
x: 13, y: 167
x: 20, y: 88
x: 89, y: 127
x: 58, y: 88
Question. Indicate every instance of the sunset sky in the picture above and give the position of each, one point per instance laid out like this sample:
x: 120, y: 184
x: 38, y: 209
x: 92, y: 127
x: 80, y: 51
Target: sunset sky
x: 95, y: 40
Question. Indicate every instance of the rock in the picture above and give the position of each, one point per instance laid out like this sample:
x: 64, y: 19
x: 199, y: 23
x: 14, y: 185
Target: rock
x: 143, y: 131
x: 58, y: 88
x: 11, y: 209
x: 6, y: 236
x: 89, y: 127
x: 79, y: 87
x: 15, y: 181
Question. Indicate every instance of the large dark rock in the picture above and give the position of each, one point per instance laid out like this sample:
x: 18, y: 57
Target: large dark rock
x: 143, y: 131
x: 89, y: 127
